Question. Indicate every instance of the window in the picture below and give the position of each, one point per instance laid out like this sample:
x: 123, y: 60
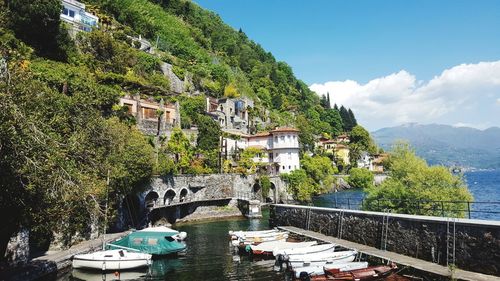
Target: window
x: 65, y: 11
x: 72, y: 13
x: 149, y: 113
x: 129, y: 107
x: 282, y: 138
x: 283, y: 167
x: 152, y: 241
x: 289, y: 167
x: 167, y: 116
x: 276, y: 138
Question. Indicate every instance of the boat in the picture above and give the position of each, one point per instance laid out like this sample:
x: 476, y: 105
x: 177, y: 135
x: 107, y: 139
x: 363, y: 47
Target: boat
x: 89, y: 275
x: 254, y: 240
x: 268, y: 248
x: 242, y: 234
x: 321, y: 259
x: 154, y: 241
x: 180, y: 236
x: 308, y: 250
x: 339, y: 267
x: 111, y: 260
x: 366, y: 274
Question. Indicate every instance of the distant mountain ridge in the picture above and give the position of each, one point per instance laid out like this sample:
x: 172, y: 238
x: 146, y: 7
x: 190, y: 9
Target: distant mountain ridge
x: 447, y: 145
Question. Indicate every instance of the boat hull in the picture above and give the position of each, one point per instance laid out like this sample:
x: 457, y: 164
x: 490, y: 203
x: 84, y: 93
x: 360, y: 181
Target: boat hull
x: 110, y: 264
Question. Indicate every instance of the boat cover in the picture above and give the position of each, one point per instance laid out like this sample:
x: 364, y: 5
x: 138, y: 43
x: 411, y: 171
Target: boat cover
x: 151, y: 242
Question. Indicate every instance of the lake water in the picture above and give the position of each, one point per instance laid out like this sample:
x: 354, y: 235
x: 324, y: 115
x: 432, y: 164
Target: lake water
x: 484, y: 186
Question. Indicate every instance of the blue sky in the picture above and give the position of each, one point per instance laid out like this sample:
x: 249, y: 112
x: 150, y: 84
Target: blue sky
x: 329, y: 43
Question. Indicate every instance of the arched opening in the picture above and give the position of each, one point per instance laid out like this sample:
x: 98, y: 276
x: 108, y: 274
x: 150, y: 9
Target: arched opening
x: 273, y: 192
x: 150, y: 200
x: 255, y: 191
x: 169, y: 197
x: 183, y: 195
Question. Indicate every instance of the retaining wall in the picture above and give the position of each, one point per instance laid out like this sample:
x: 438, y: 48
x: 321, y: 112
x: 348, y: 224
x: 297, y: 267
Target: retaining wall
x: 477, y: 244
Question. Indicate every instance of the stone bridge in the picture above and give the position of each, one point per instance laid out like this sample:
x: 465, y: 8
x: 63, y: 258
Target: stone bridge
x: 174, y: 197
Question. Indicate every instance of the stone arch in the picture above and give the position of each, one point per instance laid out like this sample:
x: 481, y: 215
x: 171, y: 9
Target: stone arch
x: 169, y: 197
x: 273, y: 192
x: 183, y: 195
x: 256, y: 191
x: 150, y: 199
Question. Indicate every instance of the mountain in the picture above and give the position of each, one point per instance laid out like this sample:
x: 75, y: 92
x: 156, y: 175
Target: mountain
x: 447, y: 145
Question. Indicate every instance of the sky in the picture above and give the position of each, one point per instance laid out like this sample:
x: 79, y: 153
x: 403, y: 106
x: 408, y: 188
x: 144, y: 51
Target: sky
x: 392, y: 62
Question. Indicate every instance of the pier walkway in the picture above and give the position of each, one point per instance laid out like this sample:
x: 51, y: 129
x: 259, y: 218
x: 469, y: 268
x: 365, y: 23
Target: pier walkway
x: 434, y: 268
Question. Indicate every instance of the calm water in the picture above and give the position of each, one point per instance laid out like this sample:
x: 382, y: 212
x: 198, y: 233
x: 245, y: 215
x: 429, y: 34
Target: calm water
x: 484, y: 185
x: 208, y: 257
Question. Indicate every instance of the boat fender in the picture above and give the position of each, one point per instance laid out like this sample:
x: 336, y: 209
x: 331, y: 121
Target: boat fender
x: 304, y: 276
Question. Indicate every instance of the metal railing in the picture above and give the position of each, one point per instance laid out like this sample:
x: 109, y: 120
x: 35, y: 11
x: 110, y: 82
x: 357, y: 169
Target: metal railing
x: 469, y: 209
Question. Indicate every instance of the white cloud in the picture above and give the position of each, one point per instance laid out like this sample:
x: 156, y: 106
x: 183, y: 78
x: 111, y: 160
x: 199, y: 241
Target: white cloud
x: 464, y: 94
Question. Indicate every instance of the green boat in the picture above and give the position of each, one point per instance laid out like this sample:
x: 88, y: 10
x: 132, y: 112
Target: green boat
x: 153, y: 240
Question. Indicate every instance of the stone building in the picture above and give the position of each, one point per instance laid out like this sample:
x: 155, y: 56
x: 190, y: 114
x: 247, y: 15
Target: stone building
x: 231, y: 114
x: 153, y: 118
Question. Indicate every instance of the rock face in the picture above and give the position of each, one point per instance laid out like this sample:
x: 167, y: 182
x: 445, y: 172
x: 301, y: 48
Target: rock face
x: 18, y: 249
x: 176, y: 84
x: 477, y: 243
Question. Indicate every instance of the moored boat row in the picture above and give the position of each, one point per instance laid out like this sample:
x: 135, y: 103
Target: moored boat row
x: 307, y: 260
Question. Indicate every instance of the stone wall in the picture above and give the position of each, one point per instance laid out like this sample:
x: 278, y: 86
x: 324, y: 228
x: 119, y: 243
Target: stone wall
x: 477, y: 242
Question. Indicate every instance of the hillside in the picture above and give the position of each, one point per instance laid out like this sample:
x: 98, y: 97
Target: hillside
x: 447, y: 145
x: 66, y: 144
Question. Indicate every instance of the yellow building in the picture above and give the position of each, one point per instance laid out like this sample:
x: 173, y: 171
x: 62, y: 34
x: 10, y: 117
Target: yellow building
x: 342, y: 152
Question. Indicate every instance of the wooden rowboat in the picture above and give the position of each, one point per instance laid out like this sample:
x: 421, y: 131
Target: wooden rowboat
x: 370, y: 273
x: 339, y: 267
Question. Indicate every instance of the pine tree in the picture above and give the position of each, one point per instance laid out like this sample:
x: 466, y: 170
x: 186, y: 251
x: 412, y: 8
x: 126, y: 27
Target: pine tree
x: 328, y: 99
x: 336, y: 107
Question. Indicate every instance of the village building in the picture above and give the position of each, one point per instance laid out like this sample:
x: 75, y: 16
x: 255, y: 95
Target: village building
x: 342, y: 153
x: 365, y: 161
x: 152, y: 117
x: 280, y: 149
x: 231, y: 114
x: 378, y: 163
x: 75, y: 15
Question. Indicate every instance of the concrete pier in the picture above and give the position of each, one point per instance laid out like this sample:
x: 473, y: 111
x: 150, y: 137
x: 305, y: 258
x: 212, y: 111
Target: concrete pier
x: 434, y: 268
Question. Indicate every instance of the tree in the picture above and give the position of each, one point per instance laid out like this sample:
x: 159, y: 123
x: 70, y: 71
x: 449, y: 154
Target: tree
x: 179, y: 146
x: 300, y: 185
x: 37, y: 23
x: 412, y: 187
x: 360, y: 178
x: 333, y: 118
x: 352, y: 118
x: 360, y: 140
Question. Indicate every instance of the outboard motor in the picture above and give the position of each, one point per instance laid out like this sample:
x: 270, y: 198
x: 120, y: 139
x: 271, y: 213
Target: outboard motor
x: 278, y: 264
x: 304, y: 276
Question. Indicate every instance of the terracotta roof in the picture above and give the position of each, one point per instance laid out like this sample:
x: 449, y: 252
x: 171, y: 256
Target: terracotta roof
x: 261, y: 134
x: 342, y: 146
x: 284, y: 129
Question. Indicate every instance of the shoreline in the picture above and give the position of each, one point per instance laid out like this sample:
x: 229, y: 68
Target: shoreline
x: 53, y: 263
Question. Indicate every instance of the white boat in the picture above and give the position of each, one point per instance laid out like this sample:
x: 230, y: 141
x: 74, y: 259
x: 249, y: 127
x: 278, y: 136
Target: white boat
x: 180, y: 236
x: 112, y: 260
x: 302, y: 251
x: 321, y: 259
x: 240, y: 233
x: 92, y: 275
x: 320, y: 270
x: 253, y: 240
x: 268, y: 248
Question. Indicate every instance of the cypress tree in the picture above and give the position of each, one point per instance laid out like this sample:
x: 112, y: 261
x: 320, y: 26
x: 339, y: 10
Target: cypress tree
x: 328, y: 100
x: 346, y: 120
x: 354, y: 122
x: 324, y: 102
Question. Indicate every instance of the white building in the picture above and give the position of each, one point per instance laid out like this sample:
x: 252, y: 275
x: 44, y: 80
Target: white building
x: 280, y: 149
x: 74, y: 14
x: 365, y: 161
